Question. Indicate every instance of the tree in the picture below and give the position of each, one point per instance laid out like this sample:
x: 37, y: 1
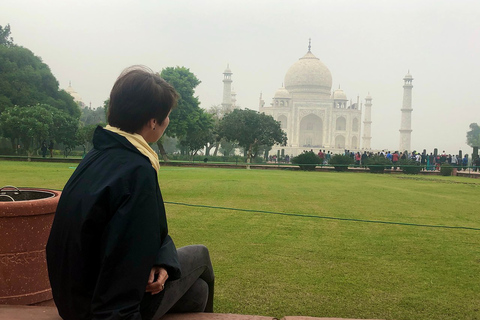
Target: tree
x: 185, y: 114
x: 5, y: 38
x: 92, y: 116
x: 33, y: 124
x: 26, y: 81
x: 29, y: 125
x: 65, y: 130
x: 251, y: 129
x: 199, y: 133
x: 190, y: 124
x: 227, y: 147
x: 85, y: 136
x: 473, y: 136
x: 217, y: 112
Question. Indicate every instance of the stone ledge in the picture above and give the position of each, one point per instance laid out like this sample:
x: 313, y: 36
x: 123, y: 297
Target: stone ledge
x: 313, y: 318
x: 27, y: 312
x: 50, y: 313
x: 212, y: 316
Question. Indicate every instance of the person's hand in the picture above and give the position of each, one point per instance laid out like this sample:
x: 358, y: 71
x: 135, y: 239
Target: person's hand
x: 155, y: 286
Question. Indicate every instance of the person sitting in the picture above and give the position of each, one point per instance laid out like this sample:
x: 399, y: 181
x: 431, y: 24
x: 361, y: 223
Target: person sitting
x: 109, y: 254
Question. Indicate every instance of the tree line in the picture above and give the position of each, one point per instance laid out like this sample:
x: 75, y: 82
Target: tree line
x: 33, y: 109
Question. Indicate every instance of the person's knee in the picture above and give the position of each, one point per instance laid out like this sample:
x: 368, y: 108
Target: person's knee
x: 203, y: 250
x: 196, y: 251
x: 203, y: 255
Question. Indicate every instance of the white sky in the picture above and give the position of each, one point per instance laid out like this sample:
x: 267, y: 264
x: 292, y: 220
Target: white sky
x: 368, y: 46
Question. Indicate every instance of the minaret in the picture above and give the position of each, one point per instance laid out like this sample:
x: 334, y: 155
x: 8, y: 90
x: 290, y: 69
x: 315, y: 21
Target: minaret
x: 227, y: 89
x: 406, y: 124
x: 234, y: 98
x: 367, y: 123
x: 261, y: 102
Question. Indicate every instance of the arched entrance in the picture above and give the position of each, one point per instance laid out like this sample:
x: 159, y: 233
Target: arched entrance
x: 354, y: 143
x: 355, y: 125
x: 311, y: 131
x: 341, y: 124
x: 340, y: 142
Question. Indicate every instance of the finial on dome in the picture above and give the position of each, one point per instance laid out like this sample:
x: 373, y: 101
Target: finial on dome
x: 69, y: 83
x: 338, y: 86
x: 309, y: 44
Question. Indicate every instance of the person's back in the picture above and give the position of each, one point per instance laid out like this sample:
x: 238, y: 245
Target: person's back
x: 98, y: 236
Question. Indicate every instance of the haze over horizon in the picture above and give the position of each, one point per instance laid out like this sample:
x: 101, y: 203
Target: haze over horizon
x: 368, y: 46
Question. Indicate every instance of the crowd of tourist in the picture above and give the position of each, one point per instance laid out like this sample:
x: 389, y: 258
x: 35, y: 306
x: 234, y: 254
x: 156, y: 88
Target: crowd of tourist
x: 427, y: 161
x: 432, y: 161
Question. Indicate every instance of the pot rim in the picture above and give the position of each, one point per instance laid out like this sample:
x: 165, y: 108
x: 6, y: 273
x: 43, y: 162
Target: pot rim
x: 33, y: 207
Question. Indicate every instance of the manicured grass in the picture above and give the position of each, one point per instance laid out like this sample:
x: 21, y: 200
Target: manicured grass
x: 278, y: 265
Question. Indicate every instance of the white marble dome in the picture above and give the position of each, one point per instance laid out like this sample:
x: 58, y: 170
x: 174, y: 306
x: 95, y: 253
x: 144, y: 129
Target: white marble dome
x: 76, y: 97
x: 309, y: 75
x: 282, y: 93
x: 339, y: 95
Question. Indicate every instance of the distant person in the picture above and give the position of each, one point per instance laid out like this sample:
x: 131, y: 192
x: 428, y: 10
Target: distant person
x: 431, y: 162
x: 321, y: 155
x: 395, y: 157
x: 454, y: 160
x: 50, y: 147
x: 44, y: 149
x: 465, y: 162
x: 423, y: 160
x: 109, y: 253
x: 389, y: 156
x: 358, y: 158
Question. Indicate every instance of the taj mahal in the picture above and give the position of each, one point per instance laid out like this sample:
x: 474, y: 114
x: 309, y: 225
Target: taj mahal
x: 314, y: 117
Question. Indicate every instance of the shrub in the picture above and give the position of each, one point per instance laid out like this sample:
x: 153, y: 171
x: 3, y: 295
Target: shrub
x: 201, y: 158
x: 446, y: 169
x: 377, y: 163
x: 307, y: 161
x: 410, y: 166
x: 340, y: 162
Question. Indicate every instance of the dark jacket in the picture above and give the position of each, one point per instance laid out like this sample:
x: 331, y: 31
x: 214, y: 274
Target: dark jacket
x: 109, y: 230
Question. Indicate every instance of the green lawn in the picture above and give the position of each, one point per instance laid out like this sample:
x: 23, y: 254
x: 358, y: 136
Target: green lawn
x: 300, y: 264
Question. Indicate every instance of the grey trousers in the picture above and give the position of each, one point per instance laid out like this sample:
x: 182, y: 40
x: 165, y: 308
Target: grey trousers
x: 193, y: 292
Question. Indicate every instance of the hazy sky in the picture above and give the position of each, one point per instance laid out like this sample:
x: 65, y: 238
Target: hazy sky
x: 368, y: 46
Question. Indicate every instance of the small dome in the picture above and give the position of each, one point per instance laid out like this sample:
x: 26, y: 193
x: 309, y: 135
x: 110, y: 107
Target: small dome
x: 227, y: 70
x: 76, y: 97
x: 282, y: 93
x: 368, y: 97
x: 309, y: 75
x: 339, y: 95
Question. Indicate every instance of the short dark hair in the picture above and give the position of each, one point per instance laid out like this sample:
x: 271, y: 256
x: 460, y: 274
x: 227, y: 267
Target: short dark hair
x: 137, y: 96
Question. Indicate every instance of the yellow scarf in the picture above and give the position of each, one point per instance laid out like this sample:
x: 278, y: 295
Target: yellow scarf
x: 139, y: 142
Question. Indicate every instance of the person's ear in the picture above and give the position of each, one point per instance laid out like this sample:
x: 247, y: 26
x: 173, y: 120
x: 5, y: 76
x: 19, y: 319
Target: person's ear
x: 152, y: 123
